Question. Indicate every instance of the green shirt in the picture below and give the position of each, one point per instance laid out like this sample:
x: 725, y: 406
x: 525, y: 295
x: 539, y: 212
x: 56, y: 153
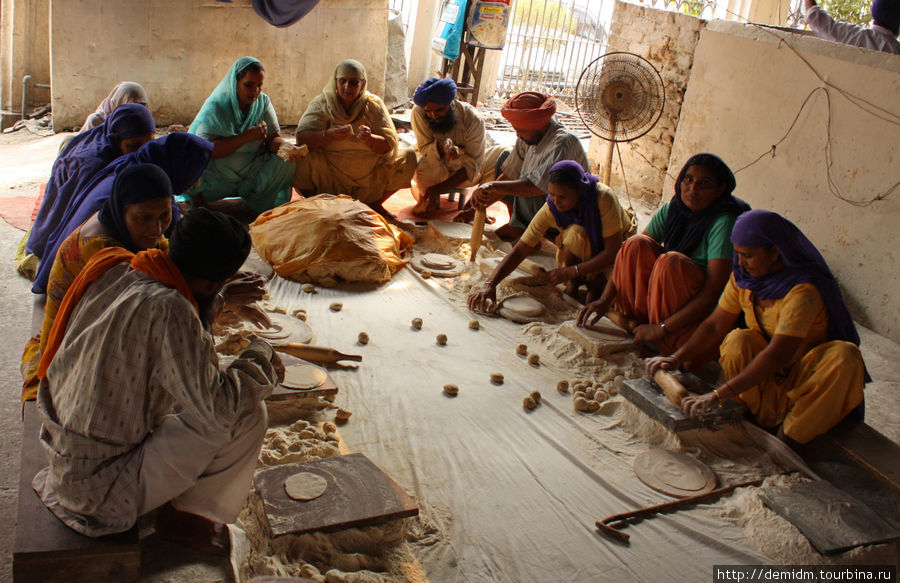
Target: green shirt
x: 715, y: 244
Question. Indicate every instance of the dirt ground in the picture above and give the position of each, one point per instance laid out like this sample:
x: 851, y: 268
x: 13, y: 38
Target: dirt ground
x: 25, y: 162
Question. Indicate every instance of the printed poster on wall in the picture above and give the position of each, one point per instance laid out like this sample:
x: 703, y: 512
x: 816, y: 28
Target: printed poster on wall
x: 488, y: 22
x: 448, y: 34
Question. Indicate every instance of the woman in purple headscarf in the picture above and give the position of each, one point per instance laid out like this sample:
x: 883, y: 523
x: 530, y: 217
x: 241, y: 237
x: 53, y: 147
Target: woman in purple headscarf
x: 126, y: 129
x: 591, y: 226
x: 797, y: 367
x: 668, y: 278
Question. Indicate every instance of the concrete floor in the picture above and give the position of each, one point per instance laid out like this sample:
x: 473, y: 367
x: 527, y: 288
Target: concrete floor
x: 25, y: 162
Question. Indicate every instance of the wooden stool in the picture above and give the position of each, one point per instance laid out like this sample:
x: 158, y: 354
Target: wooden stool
x: 461, y: 192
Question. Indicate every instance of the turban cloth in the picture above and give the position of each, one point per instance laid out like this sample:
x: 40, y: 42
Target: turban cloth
x: 435, y: 90
x: 209, y: 245
x: 529, y: 110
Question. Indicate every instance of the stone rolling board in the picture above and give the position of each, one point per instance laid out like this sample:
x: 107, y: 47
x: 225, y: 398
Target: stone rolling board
x: 358, y: 494
x: 282, y: 393
x: 650, y: 399
x: 833, y: 521
x: 594, y: 342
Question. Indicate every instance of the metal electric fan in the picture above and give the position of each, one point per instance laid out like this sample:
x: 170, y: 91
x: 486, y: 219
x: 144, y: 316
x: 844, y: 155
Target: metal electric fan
x: 619, y: 97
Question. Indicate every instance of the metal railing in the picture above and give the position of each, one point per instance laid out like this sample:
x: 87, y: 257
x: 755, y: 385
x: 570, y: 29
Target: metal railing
x: 548, y: 45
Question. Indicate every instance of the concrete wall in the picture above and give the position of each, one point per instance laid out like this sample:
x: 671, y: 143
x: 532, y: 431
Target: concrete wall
x: 744, y: 91
x: 666, y: 39
x: 180, y: 50
x: 25, y: 50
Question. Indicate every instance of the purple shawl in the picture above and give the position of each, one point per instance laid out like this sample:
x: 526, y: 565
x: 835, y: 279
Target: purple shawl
x: 83, y: 157
x: 182, y: 156
x: 802, y: 264
x: 685, y: 228
x: 283, y: 13
x: 585, y: 212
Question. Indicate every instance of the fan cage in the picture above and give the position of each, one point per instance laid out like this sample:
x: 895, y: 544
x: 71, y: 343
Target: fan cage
x: 620, y: 96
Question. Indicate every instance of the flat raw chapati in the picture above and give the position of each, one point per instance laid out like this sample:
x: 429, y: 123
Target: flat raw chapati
x: 438, y: 261
x: 524, y: 306
x: 305, y: 486
x: 303, y: 376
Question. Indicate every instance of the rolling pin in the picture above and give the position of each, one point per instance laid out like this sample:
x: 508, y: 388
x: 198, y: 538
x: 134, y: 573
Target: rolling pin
x: 315, y: 353
x: 674, y: 390
x: 532, y: 267
x: 477, y: 232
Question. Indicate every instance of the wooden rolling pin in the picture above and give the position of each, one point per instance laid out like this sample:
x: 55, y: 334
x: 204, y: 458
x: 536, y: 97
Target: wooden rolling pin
x: 477, y: 232
x: 674, y: 390
x: 532, y: 267
x: 315, y: 353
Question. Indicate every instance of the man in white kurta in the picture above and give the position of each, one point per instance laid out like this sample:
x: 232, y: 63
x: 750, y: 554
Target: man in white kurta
x: 453, y: 149
x: 136, y: 412
x: 880, y: 36
x: 541, y: 142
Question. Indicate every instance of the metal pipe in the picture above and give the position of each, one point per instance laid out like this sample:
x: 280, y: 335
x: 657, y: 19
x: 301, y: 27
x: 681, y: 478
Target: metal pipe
x: 24, y: 93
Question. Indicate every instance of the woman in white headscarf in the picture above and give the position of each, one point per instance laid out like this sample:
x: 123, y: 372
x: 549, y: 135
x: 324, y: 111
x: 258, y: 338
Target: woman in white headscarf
x: 124, y: 92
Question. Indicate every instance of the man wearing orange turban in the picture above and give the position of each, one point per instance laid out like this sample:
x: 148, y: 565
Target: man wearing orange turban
x: 542, y: 142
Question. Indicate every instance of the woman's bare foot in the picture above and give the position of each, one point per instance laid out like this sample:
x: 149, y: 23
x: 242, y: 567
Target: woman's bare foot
x: 194, y: 531
x: 426, y: 204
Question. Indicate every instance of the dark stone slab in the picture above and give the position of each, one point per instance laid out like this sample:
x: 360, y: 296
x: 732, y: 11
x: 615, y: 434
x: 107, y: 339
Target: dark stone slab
x: 649, y: 398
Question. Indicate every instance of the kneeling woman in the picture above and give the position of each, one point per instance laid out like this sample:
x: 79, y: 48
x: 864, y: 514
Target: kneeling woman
x: 667, y: 279
x: 592, y: 227
x: 797, y: 367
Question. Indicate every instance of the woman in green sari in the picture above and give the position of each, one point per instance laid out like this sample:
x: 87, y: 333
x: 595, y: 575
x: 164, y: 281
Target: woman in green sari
x: 238, y: 118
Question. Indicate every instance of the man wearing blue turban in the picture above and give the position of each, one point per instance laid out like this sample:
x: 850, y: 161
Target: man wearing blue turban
x: 451, y: 145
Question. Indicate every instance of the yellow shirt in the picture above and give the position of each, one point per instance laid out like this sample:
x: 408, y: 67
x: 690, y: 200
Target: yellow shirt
x: 612, y: 216
x: 801, y: 313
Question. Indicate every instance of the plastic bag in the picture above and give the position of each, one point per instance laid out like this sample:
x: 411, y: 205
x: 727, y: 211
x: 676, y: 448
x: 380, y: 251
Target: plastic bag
x: 327, y: 239
x: 448, y: 34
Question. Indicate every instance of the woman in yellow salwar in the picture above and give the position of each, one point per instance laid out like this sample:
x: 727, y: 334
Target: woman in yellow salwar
x: 797, y: 366
x: 354, y: 149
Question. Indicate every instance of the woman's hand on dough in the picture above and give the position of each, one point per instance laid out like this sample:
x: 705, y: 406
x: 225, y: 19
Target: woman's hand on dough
x: 649, y: 333
x: 560, y: 275
x: 660, y: 363
x: 364, y: 134
x: 591, y: 313
x: 338, y: 133
x: 696, y: 406
x: 484, y: 299
x: 257, y: 132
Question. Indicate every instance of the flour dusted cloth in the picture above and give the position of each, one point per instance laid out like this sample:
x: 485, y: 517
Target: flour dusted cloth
x: 330, y: 237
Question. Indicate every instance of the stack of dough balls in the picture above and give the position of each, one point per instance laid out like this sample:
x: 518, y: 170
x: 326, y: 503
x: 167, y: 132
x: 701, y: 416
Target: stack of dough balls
x: 589, y: 394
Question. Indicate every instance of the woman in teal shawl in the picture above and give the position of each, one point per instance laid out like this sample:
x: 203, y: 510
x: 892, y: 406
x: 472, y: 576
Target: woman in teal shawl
x: 238, y: 118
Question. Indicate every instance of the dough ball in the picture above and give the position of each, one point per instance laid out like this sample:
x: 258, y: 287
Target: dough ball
x: 592, y: 406
x: 589, y: 392
x: 522, y: 349
x: 613, y: 391
x: 580, y: 404
x: 426, y: 273
x: 279, y: 310
x: 619, y: 378
x: 580, y: 395
x: 309, y: 572
x: 305, y: 486
x: 363, y: 338
x: 562, y: 386
x: 309, y: 288
x: 308, y: 433
x: 331, y: 437
x: 336, y: 306
x: 329, y: 427
x: 342, y: 415
x: 451, y: 389
x: 534, y: 359
x: 529, y: 403
x: 299, y: 314
x: 601, y: 396
x: 536, y: 395
x: 441, y: 339
x: 497, y: 378
x: 417, y: 323
x: 579, y: 386
x: 474, y: 325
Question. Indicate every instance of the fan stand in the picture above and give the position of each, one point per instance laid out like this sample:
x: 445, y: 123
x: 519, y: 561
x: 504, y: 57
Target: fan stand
x: 616, y: 98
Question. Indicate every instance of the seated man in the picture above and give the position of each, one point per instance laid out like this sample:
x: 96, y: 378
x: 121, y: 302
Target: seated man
x: 542, y: 142
x: 453, y: 149
x: 797, y: 365
x: 136, y: 412
x: 592, y: 224
x: 882, y: 36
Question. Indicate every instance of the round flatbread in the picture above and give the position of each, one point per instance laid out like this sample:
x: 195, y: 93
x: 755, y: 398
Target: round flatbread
x: 276, y: 332
x: 523, y: 306
x: 303, y: 376
x: 285, y: 329
x: 305, y: 486
x: 437, y: 261
x: 674, y: 473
